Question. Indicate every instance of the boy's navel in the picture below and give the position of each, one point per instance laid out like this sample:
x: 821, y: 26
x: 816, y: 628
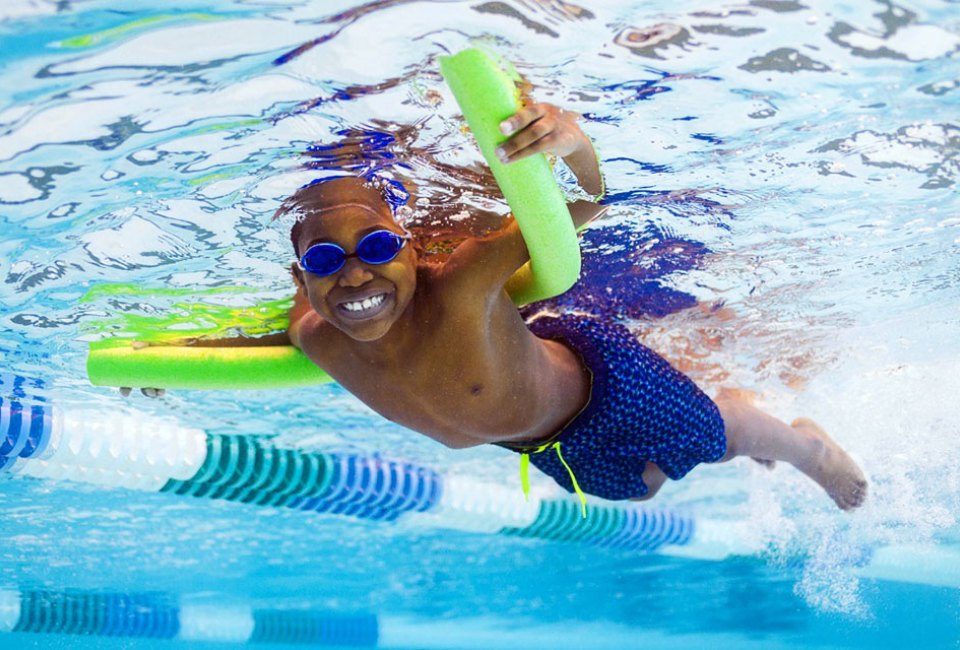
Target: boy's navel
x: 476, y: 389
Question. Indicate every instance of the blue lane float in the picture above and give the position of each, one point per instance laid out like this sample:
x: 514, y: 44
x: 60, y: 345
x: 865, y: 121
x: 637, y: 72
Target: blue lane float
x: 141, y: 452
x: 161, y: 616
x: 127, y: 615
x: 154, y: 454
x: 314, y: 628
x: 25, y: 429
x: 239, y: 468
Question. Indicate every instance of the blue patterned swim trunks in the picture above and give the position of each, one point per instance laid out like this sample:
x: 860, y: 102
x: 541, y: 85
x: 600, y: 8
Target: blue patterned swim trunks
x: 640, y: 409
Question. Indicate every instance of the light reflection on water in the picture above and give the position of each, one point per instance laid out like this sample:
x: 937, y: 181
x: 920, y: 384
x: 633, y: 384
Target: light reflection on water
x: 793, y: 163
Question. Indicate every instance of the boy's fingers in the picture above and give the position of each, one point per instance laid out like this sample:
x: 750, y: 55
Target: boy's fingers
x: 125, y: 391
x: 526, y: 138
x: 543, y: 144
x: 522, y: 118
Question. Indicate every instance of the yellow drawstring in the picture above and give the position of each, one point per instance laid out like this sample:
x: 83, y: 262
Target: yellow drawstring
x: 573, y: 479
x: 525, y: 475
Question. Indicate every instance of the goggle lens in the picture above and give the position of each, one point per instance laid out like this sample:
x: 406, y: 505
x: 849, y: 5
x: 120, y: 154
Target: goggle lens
x: 379, y: 247
x: 323, y: 259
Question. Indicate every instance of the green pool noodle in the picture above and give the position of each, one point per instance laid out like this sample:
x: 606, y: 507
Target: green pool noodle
x: 487, y: 92
x: 197, y: 367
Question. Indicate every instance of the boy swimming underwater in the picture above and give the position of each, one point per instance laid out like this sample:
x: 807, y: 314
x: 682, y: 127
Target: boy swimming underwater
x: 441, y: 348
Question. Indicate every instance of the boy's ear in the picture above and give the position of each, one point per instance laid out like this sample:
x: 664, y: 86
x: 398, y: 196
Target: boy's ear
x: 297, y: 276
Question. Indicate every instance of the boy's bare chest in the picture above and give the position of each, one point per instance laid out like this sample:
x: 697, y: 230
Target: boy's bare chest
x: 461, y: 379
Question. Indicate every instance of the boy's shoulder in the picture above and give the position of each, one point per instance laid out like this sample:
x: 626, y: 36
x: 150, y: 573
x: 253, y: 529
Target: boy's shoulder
x: 305, y: 328
x: 481, y: 266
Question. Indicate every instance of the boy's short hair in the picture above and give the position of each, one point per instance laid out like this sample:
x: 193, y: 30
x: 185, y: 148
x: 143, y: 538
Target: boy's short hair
x: 295, y: 236
x: 391, y: 191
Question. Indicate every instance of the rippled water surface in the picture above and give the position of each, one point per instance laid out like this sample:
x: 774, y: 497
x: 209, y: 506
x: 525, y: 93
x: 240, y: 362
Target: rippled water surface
x: 792, y: 166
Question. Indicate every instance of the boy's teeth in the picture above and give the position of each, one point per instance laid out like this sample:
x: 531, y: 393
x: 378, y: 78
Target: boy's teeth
x: 362, y: 305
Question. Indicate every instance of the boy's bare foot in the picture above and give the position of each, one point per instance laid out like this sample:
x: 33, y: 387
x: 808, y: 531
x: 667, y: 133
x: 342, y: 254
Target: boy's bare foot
x: 833, y: 468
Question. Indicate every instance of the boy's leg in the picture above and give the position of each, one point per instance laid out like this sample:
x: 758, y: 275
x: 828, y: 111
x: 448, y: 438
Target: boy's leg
x: 751, y: 432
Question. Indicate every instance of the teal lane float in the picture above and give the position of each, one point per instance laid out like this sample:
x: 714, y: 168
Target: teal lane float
x: 159, y: 616
x: 141, y: 452
x: 132, y: 619
x: 153, y: 454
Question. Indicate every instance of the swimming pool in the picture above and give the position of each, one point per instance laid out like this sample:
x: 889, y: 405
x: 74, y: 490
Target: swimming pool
x: 796, y: 163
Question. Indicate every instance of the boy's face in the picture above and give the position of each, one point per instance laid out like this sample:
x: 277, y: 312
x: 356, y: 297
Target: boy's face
x: 339, y: 297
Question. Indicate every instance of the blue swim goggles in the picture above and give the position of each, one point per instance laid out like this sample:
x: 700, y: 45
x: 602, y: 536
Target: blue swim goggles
x: 379, y: 247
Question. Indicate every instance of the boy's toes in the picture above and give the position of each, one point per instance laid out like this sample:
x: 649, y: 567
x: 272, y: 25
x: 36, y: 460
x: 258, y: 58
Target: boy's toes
x: 854, y: 496
x: 860, y: 493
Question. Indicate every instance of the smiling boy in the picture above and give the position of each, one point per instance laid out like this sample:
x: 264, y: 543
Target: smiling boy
x: 441, y: 349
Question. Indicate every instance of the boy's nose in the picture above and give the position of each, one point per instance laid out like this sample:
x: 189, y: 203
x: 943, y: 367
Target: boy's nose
x: 354, y: 273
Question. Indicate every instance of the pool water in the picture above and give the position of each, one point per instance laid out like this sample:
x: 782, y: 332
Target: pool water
x: 784, y: 219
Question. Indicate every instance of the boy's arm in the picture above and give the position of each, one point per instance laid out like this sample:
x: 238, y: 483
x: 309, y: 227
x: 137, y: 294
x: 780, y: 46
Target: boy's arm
x: 300, y: 310
x: 488, y: 262
x: 483, y: 264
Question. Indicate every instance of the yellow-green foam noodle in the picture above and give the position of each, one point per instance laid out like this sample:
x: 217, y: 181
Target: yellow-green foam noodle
x: 195, y: 367
x: 487, y: 92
